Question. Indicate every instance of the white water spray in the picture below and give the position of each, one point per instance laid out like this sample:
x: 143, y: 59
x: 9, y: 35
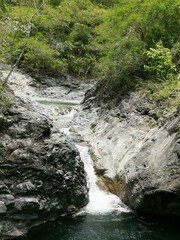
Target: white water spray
x: 100, y: 202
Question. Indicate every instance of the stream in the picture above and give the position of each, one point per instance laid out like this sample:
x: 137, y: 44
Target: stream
x: 105, y: 217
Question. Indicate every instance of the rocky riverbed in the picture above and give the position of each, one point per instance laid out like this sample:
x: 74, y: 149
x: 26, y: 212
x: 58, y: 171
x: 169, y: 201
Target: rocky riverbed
x: 42, y: 176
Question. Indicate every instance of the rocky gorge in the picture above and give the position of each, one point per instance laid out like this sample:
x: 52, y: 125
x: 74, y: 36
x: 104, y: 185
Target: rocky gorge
x: 42, y: 175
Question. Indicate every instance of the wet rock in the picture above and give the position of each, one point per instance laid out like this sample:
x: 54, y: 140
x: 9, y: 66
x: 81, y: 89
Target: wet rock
x: 41, y: 175
x: 25, y: 187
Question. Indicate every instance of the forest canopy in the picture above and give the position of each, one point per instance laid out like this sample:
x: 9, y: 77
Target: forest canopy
x: 91, y: 38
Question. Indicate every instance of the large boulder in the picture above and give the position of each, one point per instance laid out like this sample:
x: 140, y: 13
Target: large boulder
x: 41, y: 175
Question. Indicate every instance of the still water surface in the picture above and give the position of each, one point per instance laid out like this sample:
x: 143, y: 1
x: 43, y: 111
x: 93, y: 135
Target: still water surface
x: 121, y: 226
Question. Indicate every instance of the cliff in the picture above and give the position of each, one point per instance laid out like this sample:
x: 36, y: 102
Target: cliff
x: 136, y: 154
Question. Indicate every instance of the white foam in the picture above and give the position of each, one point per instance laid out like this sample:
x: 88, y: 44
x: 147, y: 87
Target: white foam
x: 100, y: 202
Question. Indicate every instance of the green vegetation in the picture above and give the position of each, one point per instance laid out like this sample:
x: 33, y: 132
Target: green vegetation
x: 140, y: 49
x: 164, y: 95
x: 106, y: 3
x: 129, y: 30
x: 163, y: 82
x: 60, y: 37
x: 132, y: 44
x: 5, y: 102
x: 159, y: 62
x: 39, y: 58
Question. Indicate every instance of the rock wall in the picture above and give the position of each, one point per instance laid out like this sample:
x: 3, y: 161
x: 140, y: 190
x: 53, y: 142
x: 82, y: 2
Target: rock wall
x: 41, y: 175
x: 150, y: 180
x: 136, y: 155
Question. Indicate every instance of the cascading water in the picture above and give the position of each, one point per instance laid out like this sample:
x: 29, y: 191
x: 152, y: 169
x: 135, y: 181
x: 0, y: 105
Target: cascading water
x: 100, y: 202
x: 61, y: 112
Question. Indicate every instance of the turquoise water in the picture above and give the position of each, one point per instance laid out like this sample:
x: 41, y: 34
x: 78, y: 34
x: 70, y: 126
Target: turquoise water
x: 121, y: 226
x: 57, y: 103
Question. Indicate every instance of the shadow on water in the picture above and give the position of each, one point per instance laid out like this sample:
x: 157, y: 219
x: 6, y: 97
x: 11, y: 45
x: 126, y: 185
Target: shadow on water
x: 121, y: 226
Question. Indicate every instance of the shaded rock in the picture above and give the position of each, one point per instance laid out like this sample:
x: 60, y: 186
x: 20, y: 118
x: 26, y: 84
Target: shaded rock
x: 3, y: 208
x: 41, y: 175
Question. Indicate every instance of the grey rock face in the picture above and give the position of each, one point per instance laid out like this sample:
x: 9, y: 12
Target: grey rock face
x: 41, y: 175
x: 3, y: 208
x: 137, y: 157
x: 150, y: 181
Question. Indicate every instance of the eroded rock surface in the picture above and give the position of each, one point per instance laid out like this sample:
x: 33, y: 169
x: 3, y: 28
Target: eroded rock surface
x: 150, y: 180
x: 136, y: 155
x: 41, y: 175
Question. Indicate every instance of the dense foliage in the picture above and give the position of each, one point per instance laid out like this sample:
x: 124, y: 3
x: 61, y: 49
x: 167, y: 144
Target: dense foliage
x: 130, y: 29
x: 159, y: 62
x: 106, y: 3
x: 60, y: 37
x: 125, y: 41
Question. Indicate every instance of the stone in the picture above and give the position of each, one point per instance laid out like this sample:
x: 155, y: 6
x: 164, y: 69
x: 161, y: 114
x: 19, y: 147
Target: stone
x: 25, y: 187
x: 41, y: 174
x: 3, y: 208
x: 27, y: 204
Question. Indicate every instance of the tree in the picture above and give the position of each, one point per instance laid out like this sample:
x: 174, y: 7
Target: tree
x: 129, y: 29
x: 66, y: 38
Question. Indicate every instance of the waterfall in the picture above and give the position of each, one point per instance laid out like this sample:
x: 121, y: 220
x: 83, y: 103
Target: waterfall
x: 100, y: 202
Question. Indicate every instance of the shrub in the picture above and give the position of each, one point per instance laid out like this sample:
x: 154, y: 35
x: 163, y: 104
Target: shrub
x: 159, y: 61
x: 127, y: 61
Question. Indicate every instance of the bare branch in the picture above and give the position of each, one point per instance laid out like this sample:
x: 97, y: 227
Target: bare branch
x: 25, y: 44
x: 35, y: 6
